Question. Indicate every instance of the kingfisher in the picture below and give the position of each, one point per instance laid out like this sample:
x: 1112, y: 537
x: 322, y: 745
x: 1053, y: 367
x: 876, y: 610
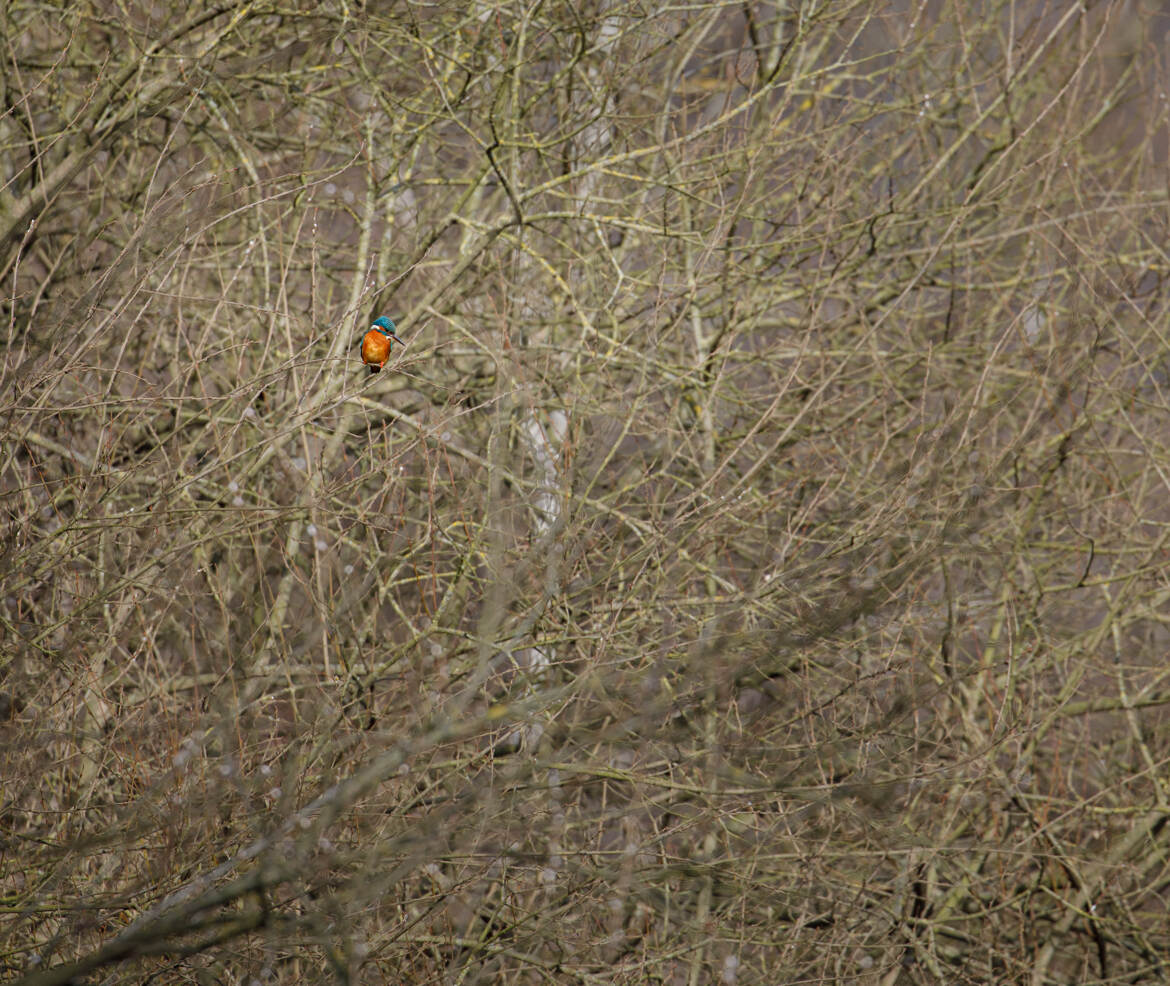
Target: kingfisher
x: 376, y: 345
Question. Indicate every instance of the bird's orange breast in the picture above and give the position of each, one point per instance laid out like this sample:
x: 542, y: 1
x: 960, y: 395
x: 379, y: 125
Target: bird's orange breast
x: 375, y: 348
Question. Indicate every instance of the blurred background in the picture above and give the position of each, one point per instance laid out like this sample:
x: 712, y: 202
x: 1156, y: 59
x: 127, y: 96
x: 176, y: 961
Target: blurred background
x: 753, y: 569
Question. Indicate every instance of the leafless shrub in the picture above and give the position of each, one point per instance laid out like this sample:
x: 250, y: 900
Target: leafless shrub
x: 751, y: 570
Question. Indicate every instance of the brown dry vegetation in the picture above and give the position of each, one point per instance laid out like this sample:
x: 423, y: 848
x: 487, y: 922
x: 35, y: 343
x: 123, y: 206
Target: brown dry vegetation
x: 753, y: 570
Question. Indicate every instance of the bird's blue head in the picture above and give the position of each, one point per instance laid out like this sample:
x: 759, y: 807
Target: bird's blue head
x: 386, y: 326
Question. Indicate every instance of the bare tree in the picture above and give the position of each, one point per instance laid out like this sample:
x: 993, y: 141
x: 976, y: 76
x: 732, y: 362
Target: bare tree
x: 752, y: 569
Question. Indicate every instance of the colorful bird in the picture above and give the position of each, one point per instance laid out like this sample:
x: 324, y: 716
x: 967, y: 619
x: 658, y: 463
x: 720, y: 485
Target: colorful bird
x: 376, y: 345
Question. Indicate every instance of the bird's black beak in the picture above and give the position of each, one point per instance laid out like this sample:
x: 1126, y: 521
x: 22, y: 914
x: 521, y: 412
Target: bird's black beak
x: 395, y: 338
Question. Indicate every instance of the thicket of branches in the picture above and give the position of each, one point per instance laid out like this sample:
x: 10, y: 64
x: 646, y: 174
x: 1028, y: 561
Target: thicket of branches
x: 753, y: 569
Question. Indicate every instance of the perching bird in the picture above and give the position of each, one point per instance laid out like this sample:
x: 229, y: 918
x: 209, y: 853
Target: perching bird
x: 376, y: 345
